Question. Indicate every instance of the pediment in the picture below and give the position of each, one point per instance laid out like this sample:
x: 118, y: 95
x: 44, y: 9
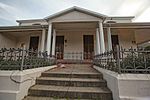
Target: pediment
x: 75, y: 14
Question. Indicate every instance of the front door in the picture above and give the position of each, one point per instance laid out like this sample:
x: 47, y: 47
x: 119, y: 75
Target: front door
x: 88, y: 46
x: 59, y: 47
x: 115, y: 41
x: 34, y: 42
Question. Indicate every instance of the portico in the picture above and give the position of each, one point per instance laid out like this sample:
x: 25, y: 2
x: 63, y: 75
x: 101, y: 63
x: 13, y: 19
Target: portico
x: 74, y: 33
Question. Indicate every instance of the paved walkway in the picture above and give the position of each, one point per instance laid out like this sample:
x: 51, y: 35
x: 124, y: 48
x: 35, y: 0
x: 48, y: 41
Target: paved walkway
x: 74, y: 68
x: 70, y: 81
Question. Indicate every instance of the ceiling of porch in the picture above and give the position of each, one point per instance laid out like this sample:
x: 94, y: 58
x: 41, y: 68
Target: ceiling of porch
x: 75, y: 26
x: 19, y: 34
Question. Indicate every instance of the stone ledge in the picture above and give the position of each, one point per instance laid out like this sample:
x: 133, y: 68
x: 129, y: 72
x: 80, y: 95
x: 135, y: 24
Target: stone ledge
x: 16, y: 91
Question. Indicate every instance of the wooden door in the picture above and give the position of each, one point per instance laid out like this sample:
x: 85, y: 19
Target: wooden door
x: 115, y: 41
x: 88, y: 46
x: 59, y: 47
x: 34, y: 42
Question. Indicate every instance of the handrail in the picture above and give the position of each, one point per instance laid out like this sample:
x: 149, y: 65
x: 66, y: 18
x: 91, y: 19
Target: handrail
x: 21, y: 59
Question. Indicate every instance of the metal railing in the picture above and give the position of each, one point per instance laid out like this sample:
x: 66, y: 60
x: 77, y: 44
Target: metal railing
x: 74, y: 57
x: 124, y: 60
x: 20, y: 59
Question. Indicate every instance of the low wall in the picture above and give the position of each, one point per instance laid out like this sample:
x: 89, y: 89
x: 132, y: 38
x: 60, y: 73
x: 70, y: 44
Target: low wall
x: 10, y: 90
x: 127, y: 86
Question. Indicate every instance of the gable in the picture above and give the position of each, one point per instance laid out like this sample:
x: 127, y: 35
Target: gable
x: 75, y: 16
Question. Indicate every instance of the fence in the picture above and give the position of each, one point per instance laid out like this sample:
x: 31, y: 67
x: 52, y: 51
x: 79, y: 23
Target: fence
x: 74, y: 57
x: 19, y: 59
x: 124, y: 60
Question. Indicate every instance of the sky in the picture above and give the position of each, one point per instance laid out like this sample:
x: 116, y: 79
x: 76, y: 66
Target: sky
x: 12, y: 10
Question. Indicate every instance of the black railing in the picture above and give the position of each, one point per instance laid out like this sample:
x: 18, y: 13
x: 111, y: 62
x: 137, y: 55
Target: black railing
x: 74, y: 57
x: 19, y: 59
x: 124, y: 60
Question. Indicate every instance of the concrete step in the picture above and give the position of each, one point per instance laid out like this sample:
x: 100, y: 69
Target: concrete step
x: 79, y: 82
x: 72, y: 75
x: 48, y: 98
x: 101, y: 93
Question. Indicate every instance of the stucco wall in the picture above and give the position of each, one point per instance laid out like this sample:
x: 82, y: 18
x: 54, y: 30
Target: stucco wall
x: 142, y: 35
x: 7, y: 41
x: 15, y: 40
x: 74, y: 40
x: 126, y: 37
x: 9, y: 90
x: 26, y: 40
x: 127, y: 86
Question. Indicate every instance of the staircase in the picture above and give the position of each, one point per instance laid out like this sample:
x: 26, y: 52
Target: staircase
x: 74, y: 82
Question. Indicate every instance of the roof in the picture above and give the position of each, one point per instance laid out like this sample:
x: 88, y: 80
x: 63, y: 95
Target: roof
x: 128, y: 25
x: 75, y: 8
x: 79, y: 9
x: 33, y: 27
x: 120, y: 17
x: 40, y: 27
x: 30, y: 20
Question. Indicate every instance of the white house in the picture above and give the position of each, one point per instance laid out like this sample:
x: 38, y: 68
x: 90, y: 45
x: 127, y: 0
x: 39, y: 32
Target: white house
x: 79, y: 33
x: 75, y: 30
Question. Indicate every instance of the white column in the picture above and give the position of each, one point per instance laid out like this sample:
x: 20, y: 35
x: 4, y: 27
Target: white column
x: 102, y: 43
x: 54, y: 42
x: 109, y: 39
x: 97, y: 42
x: 49, y: 37
x: 43, y: 40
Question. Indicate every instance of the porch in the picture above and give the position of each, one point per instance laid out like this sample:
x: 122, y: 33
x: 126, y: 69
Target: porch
x: 73, y: 40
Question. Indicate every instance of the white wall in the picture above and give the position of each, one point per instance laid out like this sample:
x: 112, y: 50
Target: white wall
x: 14, y: 41
x: 74, y: 40
x: 7, y: 41
x: 26, y: 39
x: 142, y: 35
x: 112, y: 81
x: 127, y: 86
x: 10, y: 90
x: 126, y: 37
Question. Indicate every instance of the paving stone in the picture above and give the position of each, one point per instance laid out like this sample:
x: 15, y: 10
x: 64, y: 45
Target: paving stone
x: 49, y: 98
x: 71, y: 82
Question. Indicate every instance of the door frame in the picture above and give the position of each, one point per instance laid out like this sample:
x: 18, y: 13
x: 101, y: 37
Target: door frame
x: 88, y: 56
x: 61, y: 54
x: 37, y: 43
